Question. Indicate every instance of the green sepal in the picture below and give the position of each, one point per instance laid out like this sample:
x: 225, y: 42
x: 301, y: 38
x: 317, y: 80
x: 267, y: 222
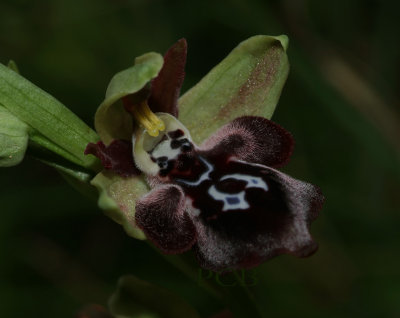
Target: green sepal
x: 248, y: 81
x: 61, y: 129
x: 117, y: 198
x: 78, y: 175
x: 137, y: 298
x: 111, y: 120
x: 13, y: 139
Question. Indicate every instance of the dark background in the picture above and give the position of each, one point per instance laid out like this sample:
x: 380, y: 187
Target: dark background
x: 58, y: 252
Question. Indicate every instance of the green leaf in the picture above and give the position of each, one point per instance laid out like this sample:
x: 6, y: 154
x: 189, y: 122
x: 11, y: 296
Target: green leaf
x: 111, y: 120
x: 48, y: 117
x: 137, y: 298
x: 248, y: 81
x: 117, y: 197
x: 13, y: 139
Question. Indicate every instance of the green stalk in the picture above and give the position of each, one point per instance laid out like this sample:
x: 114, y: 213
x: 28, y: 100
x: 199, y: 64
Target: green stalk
x: 189, y: 267
x: 237, y: 297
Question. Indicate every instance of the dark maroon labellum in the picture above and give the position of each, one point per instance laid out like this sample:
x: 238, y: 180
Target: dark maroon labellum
x: 244, y: 211
x: 228, y: 195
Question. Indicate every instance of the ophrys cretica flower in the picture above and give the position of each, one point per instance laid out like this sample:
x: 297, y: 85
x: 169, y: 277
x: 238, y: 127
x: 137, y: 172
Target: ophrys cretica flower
x: 224, y: 198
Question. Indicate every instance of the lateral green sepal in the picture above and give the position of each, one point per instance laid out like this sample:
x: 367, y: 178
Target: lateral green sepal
x: 248, y: 81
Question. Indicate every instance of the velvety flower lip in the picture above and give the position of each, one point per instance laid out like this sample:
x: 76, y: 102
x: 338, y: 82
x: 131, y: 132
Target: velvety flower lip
x: 243, y: 211
x: 224, y: 199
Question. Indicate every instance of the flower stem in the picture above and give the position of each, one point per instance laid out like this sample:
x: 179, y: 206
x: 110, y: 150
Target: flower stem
x: 227, y: 288
x: 189, y: 267
x: 241, y: 300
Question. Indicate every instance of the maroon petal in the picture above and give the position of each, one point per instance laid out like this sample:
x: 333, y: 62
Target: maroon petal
x: 162, y: 217
x: 275, y: 222
x: 117, y: 157
x: 252, y: 139
x: 166, y: 86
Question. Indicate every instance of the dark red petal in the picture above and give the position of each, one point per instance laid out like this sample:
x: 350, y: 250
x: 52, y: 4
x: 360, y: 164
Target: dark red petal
x: 276, y: 221
x: 117, y: 156
x: 252, y: 139
x: 166, y: 86
x: 162, y: 217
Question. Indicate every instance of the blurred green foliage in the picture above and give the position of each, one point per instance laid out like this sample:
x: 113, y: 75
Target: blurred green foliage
x: 341, y: 102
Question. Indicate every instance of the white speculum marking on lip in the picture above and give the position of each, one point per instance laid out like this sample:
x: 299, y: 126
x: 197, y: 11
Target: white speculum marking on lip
x: 252, y: 181
x: 231, y: 201
x: 237, y: 201
x: 204, y: 176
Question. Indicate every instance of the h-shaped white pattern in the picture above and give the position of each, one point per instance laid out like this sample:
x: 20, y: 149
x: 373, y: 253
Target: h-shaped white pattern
x: 204, y: 176
x: 232, y: 201
x: 237, y: 201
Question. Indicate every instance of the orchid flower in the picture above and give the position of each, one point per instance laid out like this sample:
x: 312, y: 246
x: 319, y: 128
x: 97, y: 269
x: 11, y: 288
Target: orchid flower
x: 206, y: 180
